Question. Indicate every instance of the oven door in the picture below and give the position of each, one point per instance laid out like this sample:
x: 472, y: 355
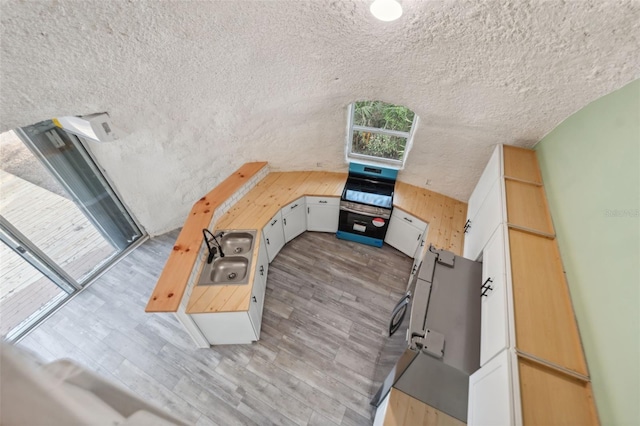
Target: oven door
x: 361, y: 223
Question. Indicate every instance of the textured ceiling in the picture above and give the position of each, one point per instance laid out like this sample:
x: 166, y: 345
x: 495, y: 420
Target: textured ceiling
x: 202, y: 87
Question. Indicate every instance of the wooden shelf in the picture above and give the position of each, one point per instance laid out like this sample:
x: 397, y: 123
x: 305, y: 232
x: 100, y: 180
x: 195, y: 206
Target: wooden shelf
x: 552, y: 398
x: 521, y: 163
x: 527, y: 206
x: 544, y: 320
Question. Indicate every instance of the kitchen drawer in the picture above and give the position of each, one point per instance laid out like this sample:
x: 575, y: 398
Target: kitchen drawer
x: 410, y: 219
x: 323, y: 201
x: 297, y: 204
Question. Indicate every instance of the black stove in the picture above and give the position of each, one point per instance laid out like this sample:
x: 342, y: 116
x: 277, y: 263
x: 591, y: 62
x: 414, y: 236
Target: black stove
x: 366, y: 204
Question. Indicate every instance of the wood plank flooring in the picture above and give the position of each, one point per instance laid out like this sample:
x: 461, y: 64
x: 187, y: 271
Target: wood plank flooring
x: 326, y: 310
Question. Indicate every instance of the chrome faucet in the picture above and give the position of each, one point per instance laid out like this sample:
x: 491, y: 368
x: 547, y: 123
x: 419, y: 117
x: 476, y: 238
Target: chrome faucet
x: 212, y: 250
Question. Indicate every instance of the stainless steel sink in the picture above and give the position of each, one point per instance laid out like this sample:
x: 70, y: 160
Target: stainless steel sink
x: 229, y: 270
x: 234, y: 268
x: 236, y: 243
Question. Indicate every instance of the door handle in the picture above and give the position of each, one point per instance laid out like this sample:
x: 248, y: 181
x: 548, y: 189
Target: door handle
x: 308, y: 210
x: 486, y: 289
x: 254, y: 299
x: 268, y: 241
x: 419, y: 236
x: 284, y: 221
x: 261, y: 269
x: 467, y: 225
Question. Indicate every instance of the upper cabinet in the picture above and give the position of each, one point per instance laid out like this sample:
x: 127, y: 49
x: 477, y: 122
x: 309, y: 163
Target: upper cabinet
x: 533, y: 370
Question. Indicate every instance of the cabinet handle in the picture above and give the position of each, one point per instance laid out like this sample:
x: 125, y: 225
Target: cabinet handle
x: 486, y: 289
x: 308, y: 210
x: 254, y: 299
x: 268, y: 241
x: 419, y: 236
x: 274, y: 222
x: 488, y: 280
x: 261, y: 269
x: 294, y: 206
x: 408, y: 220
x: 322, y: 202
x: 284, y: 221
x: 467, y: 225
x: 422, y: 243
x: 413, y: 271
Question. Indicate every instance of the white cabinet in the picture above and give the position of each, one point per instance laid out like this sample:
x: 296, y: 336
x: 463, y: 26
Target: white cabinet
x: 273, y: 235
x: 381, y: 411
x: 494, y: 336
x: 490, y: 400
x: 480, y: 227
x: 405, y: 232
x: 489, y: 176
x: 230, y: 328
x: 323, y: 214
x: 294, y: 219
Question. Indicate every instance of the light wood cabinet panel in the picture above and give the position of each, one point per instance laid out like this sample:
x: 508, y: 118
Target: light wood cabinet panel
x: 544, y: 320
x: 552, y: 398
x: 521, y: 163
x: 404, y: 410
x: 527, y: 206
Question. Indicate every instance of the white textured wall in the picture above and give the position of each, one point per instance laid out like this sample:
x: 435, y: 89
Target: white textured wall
x: 202, y: 87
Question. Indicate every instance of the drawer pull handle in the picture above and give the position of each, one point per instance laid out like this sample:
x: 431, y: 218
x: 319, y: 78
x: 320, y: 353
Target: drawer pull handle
x: 254, y: 299
x: 274, y: 222
x: 408, y: 220
x: 488, y: 280
x: 294, y: 206
x: 322, y: 202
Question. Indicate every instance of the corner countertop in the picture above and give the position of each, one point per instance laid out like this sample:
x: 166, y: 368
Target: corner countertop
x: 445, y: 216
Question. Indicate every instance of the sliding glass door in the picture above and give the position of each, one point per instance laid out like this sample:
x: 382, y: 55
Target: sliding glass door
x: 57, y: 208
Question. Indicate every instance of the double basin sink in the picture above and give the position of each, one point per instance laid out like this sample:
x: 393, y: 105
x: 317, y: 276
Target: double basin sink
x: 234, y: 267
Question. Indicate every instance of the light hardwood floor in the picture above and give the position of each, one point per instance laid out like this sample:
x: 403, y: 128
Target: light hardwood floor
x: 326, y: 310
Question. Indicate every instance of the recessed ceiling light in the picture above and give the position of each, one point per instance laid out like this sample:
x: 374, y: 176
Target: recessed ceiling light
x: 386, y: 10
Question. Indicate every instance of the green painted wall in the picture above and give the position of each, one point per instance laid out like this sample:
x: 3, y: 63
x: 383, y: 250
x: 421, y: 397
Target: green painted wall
x: 591, y: 169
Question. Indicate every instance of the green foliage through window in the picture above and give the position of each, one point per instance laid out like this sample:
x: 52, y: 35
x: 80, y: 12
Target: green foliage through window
x: 386, y: 117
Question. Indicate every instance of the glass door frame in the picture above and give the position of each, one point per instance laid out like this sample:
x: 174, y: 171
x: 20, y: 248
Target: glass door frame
x: 28, y: 251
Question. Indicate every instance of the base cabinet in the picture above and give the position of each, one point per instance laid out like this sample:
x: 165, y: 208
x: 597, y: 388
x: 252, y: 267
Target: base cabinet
x: 323, y: 214
x: 273, y: 234
x: 405, y: 232
x: 294, y: 219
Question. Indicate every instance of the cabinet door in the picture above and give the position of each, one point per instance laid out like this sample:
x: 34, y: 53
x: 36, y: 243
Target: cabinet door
x: 402, y: 235
x: 489, y: 176
x: 481, y: 227
x: 294, y: 219
x: 490, y: 399
x: 494, y: 336
x: 274, y: 236
x: 322, y: 218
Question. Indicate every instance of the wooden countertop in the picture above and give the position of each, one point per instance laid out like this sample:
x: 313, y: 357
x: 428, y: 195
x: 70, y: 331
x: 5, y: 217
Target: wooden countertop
x: 445, y: 216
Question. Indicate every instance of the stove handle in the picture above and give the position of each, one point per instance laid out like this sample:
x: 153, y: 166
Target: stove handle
x: 347, y: 209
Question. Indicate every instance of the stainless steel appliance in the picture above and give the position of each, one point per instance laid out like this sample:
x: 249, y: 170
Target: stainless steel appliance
x: 366, y: 204
x: 437, y: 347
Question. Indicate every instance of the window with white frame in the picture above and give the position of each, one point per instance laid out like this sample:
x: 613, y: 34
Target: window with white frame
x: 380, y: 133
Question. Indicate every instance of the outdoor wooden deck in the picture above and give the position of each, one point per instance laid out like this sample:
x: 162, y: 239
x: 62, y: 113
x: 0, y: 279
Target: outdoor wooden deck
x: 58, y: 227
